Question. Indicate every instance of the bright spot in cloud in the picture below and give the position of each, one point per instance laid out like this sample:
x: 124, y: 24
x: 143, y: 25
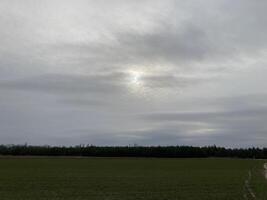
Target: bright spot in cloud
x: 136, y: 77
x: 136, y: 82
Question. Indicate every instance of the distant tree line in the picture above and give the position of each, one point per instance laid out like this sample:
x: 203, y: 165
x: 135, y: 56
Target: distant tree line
x: 133, y: 151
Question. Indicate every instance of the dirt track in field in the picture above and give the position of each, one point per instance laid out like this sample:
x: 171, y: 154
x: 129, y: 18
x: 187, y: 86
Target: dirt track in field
x: 265, y: 167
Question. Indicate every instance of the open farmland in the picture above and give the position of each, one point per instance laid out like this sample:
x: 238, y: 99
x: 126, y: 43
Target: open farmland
x: 130, y: 179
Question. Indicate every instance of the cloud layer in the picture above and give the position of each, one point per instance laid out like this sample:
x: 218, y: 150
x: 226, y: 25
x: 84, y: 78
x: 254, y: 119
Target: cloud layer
x: 124, y: 72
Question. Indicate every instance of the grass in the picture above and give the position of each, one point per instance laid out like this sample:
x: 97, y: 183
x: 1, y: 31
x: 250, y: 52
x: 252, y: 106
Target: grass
x: 128, y: 179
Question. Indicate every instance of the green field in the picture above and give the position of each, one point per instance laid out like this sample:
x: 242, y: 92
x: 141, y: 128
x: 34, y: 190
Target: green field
x: 130, y: 178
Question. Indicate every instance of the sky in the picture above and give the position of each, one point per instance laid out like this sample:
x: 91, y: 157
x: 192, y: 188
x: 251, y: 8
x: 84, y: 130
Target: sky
x: 126, y: 72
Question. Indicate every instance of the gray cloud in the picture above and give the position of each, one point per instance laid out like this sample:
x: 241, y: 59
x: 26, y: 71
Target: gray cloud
x: 66, y: 83
x: 115, y: 82
x: 208, y: 116
x: 226, y: 127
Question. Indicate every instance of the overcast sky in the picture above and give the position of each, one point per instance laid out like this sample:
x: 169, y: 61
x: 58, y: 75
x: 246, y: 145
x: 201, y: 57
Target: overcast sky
x: 123, y: 72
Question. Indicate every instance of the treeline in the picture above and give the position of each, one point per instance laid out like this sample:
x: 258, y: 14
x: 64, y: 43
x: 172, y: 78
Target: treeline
x: 133, y: 151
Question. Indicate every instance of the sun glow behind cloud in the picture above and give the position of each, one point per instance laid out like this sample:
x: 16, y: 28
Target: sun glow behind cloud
x: 135, y: 82
x: 136, y: 77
